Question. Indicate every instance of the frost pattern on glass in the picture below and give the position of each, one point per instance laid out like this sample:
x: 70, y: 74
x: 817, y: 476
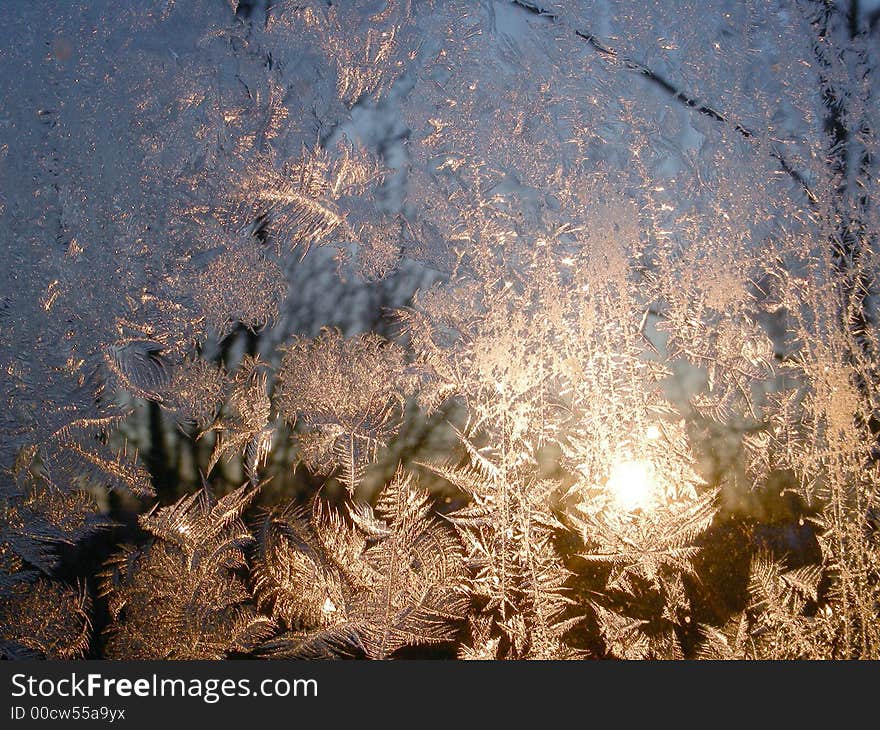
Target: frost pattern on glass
x: 625, y: 269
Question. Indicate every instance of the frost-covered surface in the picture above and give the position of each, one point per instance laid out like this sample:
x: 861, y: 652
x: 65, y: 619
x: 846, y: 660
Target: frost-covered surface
x: 631, y: 259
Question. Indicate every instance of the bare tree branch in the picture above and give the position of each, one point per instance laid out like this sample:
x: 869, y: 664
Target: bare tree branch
x: 676, y: 93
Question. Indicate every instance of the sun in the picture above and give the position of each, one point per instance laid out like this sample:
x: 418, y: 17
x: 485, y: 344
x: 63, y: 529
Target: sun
x: 632, y: 485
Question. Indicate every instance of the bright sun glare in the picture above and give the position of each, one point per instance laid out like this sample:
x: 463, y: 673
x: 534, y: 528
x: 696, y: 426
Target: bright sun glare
x: 632, y: 485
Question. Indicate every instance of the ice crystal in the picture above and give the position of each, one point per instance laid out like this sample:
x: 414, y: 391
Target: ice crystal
x: 390, y: 577
x: 349, y: 396
x: 179, y: 597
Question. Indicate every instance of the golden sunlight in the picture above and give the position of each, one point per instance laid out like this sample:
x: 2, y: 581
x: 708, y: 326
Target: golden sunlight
x: 632, y: 485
